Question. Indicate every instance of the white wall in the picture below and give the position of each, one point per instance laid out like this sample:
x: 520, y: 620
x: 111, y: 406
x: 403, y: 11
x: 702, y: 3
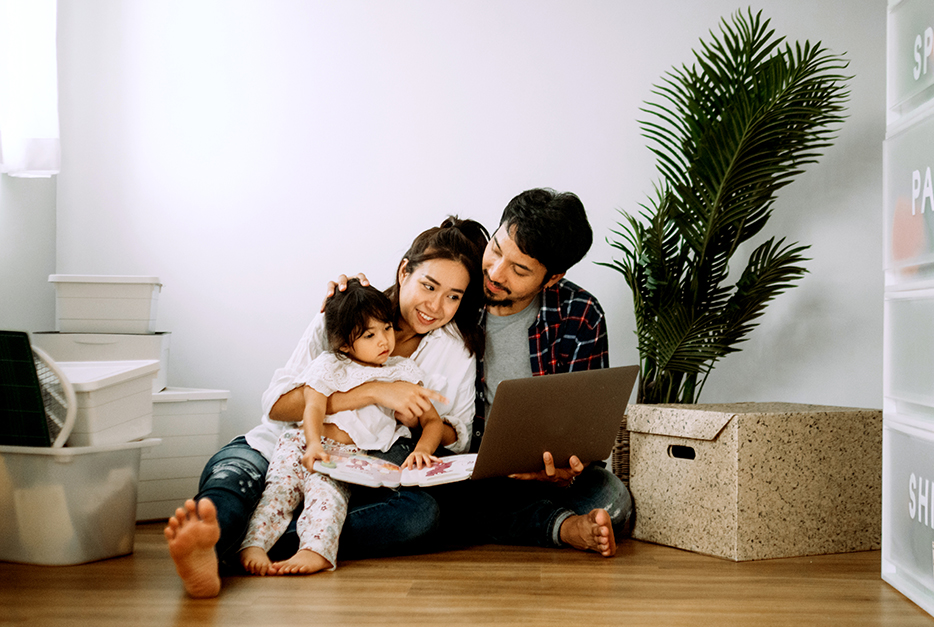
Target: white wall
x: 248, y: 152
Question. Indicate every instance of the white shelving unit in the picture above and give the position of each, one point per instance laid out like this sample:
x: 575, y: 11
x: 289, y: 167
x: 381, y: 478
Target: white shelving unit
x: 908, y: 369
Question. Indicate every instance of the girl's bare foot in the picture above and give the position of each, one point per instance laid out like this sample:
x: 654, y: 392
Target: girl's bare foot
x: 305, y: 562
x: 192, y: 534
x: 255, y: 560
x: 590, y: 532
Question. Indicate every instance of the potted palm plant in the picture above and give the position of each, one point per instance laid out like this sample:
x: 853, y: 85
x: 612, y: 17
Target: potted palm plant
x: 728, y: 132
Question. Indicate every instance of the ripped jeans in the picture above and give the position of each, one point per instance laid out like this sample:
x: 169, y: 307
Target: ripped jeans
x: 379, y: 522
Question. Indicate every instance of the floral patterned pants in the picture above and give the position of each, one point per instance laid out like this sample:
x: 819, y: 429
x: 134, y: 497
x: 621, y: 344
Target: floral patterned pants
x: 288, y: 483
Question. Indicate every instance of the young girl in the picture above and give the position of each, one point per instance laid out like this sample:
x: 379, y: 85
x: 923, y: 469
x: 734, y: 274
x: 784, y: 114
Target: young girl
x: 359, y: 327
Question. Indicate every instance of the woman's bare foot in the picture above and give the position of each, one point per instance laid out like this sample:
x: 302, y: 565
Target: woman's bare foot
x: 192, y: 534
x: 304, y: 562
x: 590, y: 532
x: 255, y: 560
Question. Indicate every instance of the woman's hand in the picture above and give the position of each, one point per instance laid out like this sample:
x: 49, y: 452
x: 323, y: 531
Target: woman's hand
x: 313, y: 452
x: 419, y: 460
x: 340, y: 285
x: 409, y: 401
x: 560, y: 476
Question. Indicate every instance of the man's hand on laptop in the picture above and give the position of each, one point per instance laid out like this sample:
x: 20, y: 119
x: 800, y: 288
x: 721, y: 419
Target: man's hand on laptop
x: 559, y: 476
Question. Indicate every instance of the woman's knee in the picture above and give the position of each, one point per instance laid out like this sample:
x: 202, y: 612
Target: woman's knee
x: 237, y: 468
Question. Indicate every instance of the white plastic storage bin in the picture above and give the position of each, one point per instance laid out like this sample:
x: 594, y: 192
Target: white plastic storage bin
x: 188, y: 421
x: 114, y: 400
x: 86, y: 303
x: 908, y: 508
x: 68, y: 505
x: 108, y: 347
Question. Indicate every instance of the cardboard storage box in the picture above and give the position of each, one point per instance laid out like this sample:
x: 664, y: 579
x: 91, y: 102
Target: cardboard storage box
x: 68, y: 505
x: 87, y: 303
x: 907, y: 515
x: 749, y: 481
x: 188, y: 421
x: 114, y: 400
x: 108, y: 347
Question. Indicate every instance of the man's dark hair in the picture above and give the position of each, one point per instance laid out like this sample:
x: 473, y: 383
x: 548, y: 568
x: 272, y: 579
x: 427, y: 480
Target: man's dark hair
x: 550, y: 227
x: 347, y: 314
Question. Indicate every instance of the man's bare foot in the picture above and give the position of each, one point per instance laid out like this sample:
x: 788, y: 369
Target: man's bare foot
x: 255, y: 560
x: 192, y: 534
x: 304, y: 562
x: 590, y: 532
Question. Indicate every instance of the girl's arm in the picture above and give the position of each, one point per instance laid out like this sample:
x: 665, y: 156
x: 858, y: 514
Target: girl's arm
x: 432, y: 431
x: 313, y: 426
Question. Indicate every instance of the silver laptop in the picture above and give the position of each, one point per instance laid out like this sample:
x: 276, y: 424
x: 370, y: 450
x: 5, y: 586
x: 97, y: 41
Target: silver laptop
x: 575, y: 413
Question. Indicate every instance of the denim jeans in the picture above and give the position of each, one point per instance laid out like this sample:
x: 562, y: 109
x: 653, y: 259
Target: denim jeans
x: 379, y: 521
x: 509, y: 511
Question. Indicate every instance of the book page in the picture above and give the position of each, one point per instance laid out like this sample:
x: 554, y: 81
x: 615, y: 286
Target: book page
x: 449, y: 469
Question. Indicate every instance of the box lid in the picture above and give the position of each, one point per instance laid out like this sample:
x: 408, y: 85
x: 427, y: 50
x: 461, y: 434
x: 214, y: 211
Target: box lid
x: 101, y: 278
x: 697, y: 422
x: 87, y: 376
x: 179, y: 395
x: 705, y: 422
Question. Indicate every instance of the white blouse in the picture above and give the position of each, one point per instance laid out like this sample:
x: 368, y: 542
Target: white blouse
x: 441, y: 354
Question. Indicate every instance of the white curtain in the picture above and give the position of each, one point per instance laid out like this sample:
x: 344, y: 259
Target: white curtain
x: 29, y: 144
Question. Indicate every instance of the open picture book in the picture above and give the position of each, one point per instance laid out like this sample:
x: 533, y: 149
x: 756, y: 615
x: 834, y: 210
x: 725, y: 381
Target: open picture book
x: 375, y: 472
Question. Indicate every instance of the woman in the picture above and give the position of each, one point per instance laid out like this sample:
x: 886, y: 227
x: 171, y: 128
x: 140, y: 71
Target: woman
x: 438, y: 282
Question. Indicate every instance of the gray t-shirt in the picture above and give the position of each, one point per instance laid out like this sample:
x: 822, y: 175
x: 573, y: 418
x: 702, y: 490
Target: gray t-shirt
x: 507, y: 348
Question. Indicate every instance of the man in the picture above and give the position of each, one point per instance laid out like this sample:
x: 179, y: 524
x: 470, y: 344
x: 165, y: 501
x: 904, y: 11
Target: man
x: 538, y: 323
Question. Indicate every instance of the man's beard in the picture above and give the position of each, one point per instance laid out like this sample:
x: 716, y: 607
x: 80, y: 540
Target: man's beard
x: 493, y: 301
x: 498, y: 302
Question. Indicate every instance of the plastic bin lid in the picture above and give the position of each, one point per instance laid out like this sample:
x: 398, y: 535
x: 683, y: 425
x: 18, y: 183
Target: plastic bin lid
x: 64, y: 453
x: 87, y: 376
x: 178, y: 395
x: 101, y: 278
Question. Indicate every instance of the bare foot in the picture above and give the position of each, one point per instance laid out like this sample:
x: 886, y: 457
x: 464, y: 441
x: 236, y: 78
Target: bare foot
x: 255, y: 560
x: 304, y: 562
x: 590, y: 532
x: 192, y: 534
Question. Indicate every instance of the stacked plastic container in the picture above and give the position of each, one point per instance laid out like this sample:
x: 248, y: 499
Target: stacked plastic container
x: 908, y: 369
x: 74, y: 504
x: 107, y: 347
x: 105, y: 318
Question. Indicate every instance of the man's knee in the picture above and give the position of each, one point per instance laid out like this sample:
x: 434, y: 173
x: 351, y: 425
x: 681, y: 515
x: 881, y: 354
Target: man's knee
x: 598, y: 488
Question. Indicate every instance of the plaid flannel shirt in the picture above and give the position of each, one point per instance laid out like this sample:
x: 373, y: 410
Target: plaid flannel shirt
x: 569, y: 335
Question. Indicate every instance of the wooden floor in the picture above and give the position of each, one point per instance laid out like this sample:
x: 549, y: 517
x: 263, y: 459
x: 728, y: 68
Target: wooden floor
x: 644, y: 584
